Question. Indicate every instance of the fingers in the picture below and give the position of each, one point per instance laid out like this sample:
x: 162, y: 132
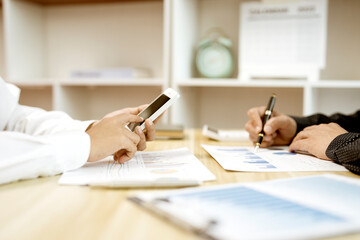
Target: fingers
x: 271, y: 137
x: 133, y: 137
x: 275, y: 123
x: 150, y: 130
x: 265, y: 144
x: 118, y: 154
x: 149, y: 136
x: 253, y: 126
x: 304, y: 134
x: 128, y: 154
x: 301, y: 140
x: 253, y: 129
x: 255, y: 115
x: 300, y: 145
x: 125, y: 154
x: 137, y: 141
x: 279, y: 129
x: 142, y: 143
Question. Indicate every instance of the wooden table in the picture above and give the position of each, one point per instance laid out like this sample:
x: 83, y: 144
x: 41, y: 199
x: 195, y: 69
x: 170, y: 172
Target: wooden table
x: 42, y: 209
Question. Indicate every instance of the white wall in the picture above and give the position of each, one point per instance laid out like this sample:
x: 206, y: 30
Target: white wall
x: 2, y: 54
x: 343, y: 41
x: 104, y: 36
x: 24, y: 39
x: 332, y: 100
x: 227, y: 107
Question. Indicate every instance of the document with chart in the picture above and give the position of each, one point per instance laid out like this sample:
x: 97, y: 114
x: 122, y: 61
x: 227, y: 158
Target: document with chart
x: 296, y: 208
x: 268, y: 160
x: 177, y: 167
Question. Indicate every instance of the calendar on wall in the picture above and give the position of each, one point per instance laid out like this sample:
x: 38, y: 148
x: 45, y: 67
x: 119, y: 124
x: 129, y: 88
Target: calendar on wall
x: 287, y: 38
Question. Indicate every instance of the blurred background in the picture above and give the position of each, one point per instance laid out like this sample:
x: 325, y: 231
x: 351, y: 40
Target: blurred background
x: 90, y: 57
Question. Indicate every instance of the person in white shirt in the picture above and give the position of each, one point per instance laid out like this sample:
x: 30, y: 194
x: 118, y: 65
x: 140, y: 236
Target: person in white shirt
x: 34, y: 142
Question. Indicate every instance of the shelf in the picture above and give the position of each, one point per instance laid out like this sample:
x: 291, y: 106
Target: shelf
x: 61, y: 2
x: 63, y: 36
x: 232, y: 82
x: 29, y: 83
x: 48, y: 82
x: 227, y: 82
x: 157, y: 82
x: 336, y: 84
x: 62, y: 39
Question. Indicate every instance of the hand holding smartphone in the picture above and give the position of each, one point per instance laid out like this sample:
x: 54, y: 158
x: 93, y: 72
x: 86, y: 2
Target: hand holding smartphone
x: 156, y: 107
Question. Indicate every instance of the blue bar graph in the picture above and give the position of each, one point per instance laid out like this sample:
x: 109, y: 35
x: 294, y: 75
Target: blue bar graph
x: 261, y: 208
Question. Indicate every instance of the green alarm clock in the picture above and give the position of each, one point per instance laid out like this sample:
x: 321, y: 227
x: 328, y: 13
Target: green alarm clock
x: 214, y: 58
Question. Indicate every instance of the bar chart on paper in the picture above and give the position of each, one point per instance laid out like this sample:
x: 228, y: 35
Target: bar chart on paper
x: 259, y: 209
x: 159, y: 164
x: 267, y: 160
x: 297, y: 208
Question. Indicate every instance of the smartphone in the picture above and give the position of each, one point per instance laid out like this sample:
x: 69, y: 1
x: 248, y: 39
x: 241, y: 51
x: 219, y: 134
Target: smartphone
x: 156, y: 107
x: 225, y: 135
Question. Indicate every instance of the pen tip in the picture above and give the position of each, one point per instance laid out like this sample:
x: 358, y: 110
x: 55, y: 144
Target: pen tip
x: 256, y: 148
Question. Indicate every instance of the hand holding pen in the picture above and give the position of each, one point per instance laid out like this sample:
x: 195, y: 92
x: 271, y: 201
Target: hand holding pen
x: 266, y: 117
x: 278, y: 130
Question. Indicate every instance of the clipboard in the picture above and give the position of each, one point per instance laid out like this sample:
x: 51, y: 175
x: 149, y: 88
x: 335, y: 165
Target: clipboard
x: 294, y: 208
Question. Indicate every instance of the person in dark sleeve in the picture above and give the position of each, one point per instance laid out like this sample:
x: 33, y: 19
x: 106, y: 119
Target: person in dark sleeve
x: 335, y: 137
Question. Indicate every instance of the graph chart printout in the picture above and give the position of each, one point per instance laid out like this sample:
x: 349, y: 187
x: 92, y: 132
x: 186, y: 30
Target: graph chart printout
x: 297, y: 208
x: 144, y: 168
x: 268, y: 160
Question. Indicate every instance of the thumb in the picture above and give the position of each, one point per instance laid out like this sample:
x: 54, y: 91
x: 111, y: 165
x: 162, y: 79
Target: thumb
x: 129, y: 118
x: 276, y: 123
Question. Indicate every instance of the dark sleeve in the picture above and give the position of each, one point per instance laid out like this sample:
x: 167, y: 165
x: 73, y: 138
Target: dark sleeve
x: 351, y: 123
x: 345, y: 150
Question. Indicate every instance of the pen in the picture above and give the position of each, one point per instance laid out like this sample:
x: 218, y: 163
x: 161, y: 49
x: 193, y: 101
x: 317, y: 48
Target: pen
x: 267, y: 115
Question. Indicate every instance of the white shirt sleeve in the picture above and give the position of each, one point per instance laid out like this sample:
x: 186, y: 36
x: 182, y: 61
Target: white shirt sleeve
x: 24, y: 156
x: 36, y: 122
x: 34, y: 142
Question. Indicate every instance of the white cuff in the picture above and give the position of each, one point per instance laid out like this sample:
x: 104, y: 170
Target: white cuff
x: 72, y: 149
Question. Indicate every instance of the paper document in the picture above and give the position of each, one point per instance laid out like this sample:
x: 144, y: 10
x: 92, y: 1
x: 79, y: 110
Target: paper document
x: 297, y: 208
x: 177, y: 167
x: 283, y: 35
x: 268, y: 160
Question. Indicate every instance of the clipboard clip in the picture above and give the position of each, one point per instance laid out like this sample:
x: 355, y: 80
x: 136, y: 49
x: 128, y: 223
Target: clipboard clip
x: 206, y: 225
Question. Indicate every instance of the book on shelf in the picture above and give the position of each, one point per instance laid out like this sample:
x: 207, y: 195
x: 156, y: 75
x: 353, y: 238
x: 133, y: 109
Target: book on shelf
x: 112, y: 73
x: 169, y: 132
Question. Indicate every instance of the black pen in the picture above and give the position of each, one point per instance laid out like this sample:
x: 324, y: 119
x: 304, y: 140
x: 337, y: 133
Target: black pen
x: 267, y: 115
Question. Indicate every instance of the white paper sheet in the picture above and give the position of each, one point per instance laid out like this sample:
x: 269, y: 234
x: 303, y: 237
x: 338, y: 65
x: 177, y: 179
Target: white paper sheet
x: 176, y: 167
x: 297, y: 208
x: 268, y: 160
x: 283, y: 35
